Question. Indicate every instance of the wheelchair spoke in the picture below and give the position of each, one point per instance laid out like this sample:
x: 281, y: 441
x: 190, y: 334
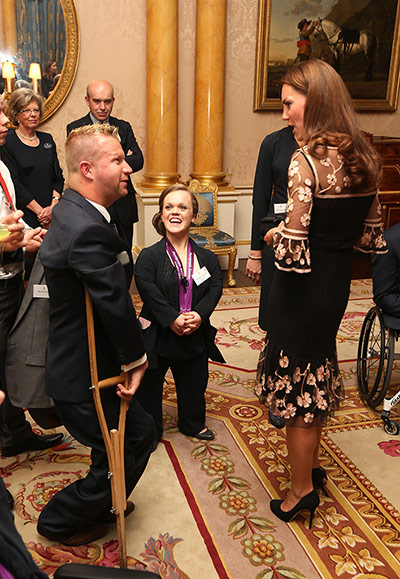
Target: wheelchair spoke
x: 375, y: 358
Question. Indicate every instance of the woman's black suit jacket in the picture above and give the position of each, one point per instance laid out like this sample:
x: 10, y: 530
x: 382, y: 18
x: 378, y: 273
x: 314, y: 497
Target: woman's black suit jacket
x: 157, y: 282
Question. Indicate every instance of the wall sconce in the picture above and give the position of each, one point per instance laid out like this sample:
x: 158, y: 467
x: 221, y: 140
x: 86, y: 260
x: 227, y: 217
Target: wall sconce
x: 8, y: 72
x: 35, y: 74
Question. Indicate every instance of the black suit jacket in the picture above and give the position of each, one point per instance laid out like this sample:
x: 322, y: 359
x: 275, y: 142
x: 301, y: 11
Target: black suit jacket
x: 124, y: 210
x: 386, y: 278
x: 270, y: 190
x: 81, y: 250
x: 270, y: 181
x: 158, y: 286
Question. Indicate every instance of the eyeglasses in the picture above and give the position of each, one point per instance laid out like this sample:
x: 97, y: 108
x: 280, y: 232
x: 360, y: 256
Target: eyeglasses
x: 28, y: 112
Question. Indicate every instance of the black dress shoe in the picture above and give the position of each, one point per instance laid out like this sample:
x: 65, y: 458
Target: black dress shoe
x: 84, y: 536
x: 308, y: 503
x: 206, y: 435
x: 33, y: 442
x: 110, y: 518
x: 319, y: 477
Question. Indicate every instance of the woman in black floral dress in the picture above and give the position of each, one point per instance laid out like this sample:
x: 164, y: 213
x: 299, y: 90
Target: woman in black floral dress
x: 332, y: 207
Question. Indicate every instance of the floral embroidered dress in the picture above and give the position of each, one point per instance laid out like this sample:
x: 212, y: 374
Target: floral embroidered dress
x: 310, y: 289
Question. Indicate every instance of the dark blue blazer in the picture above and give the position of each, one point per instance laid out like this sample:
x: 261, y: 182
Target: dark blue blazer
x: 81, y: 250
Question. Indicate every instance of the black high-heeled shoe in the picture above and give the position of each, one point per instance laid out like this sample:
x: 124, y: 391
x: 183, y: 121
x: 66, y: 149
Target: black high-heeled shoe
x: 319, y: 477
x: 308, y: 503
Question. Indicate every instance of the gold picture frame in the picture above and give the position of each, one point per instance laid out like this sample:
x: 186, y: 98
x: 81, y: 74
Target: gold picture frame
x: 59, y: 94
x: 276, y: 51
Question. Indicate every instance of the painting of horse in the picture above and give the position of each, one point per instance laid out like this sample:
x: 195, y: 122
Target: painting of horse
x: 359, y: 38
x: 343, y: 43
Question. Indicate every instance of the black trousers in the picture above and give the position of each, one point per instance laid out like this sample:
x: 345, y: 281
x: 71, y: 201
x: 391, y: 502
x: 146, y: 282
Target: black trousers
x: 14, y: 556
x: 13, y: 425
x: 89, y: 498
x: 191, y: 379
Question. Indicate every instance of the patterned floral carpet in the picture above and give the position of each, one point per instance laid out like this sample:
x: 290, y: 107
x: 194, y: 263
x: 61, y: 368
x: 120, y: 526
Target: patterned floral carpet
x: 202, y: 508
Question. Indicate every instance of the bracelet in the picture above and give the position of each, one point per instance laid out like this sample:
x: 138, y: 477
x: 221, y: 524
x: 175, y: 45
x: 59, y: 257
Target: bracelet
x: 55, y: 197
x: 252, y: 257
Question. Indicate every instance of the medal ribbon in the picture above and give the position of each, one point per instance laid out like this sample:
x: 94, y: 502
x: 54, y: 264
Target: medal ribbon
x: 185, y: 281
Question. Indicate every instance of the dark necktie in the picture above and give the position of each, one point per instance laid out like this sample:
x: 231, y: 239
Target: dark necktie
x: 114, y: 227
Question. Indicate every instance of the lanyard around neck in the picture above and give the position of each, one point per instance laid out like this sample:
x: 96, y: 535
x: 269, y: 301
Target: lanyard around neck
x: 185, y: 281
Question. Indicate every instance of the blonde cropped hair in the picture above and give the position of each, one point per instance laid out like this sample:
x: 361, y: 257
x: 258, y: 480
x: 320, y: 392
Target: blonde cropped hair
x: 82, y: 143
x: 20, y: 99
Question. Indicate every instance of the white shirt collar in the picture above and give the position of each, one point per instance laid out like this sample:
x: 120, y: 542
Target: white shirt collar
x: 102, y: 210
x: 96, y: 121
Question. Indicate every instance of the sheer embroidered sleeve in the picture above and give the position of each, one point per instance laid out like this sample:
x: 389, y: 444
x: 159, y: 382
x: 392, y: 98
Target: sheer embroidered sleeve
x: 291, y: 245
x: 372, y: 239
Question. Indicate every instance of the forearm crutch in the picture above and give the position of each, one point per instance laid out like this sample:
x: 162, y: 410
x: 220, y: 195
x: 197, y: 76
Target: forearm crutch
x: 113, y: 439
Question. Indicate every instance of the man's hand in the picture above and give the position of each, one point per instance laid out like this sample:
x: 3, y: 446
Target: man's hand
x: 253, y: 266
x: 15, y: 240
x: 33, y: 238
x: 134, y: 378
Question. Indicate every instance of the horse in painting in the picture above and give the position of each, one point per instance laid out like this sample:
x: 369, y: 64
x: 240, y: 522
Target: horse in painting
x: 343, y: 42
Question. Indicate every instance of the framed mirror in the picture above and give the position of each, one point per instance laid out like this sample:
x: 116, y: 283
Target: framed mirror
x: 44, y: 32
x: 59, y: 94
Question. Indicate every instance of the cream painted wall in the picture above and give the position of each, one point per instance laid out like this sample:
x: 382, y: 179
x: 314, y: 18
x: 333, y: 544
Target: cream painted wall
x: 113, y: 46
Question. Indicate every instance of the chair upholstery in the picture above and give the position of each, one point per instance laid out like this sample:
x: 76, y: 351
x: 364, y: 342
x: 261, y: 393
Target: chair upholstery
x: 205, y: 231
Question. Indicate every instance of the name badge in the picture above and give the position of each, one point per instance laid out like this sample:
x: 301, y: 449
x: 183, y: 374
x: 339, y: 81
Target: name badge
x: 201, y: 276
x: 123, y: 258
x: 279, y: 207
x: 40, y: 291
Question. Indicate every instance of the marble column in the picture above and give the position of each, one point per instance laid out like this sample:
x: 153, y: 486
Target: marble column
x: 162, y: 94
x: 9, y: 26
x: 209, y: 92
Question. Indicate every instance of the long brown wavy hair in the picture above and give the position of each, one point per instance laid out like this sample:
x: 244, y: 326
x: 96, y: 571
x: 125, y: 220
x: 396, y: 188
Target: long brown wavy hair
x: 330, y: 120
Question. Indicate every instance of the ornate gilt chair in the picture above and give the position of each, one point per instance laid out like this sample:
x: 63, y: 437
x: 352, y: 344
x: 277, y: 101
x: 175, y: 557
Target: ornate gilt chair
x: 205, y: 230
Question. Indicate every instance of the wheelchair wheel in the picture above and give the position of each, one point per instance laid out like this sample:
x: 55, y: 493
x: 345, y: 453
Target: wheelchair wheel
x: 392, y: 427
x: 375, y: 358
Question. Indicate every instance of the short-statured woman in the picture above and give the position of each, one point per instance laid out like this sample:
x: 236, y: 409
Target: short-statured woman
x: 31, y: 157
x: 332, y: 207
x: 180, y: 284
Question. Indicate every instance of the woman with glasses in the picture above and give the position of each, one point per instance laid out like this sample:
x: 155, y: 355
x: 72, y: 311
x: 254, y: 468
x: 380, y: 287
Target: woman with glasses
x: 31, y: 157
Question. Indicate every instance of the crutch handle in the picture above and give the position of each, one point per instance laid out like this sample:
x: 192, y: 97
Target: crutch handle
x: 113, y: 381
